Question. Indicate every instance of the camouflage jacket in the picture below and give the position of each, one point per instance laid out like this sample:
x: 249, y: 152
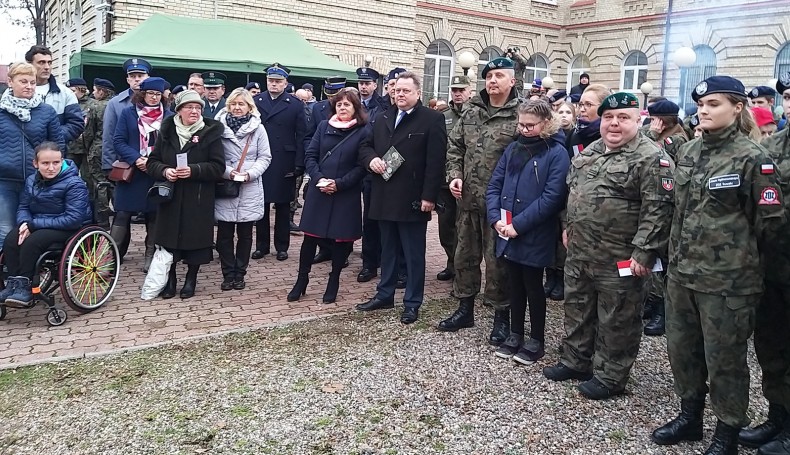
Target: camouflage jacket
x: 671, y: 144
x: 776, y: 258
x: 619, y: 203
x: 453, y: 114
x: 475, y: 145
x: 82, y: 145
x: 96, y: 126
x: 728, y: 201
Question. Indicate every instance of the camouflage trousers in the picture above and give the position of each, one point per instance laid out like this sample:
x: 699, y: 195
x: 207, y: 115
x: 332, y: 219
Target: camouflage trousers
x: 447, y: 220
x: 99, y: 188
x: 476, y: 241
x: 772, y: 342
x: 706, y: 340
x: 656, y: 284
x: 603, y: 321
x: 295, y: 202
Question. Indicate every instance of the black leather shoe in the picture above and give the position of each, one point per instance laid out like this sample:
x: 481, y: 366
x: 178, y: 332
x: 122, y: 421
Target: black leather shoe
x: 366, y: 275
x: 227, y: 284
x: 258, y: 254
x: 376, y: 304
x: 282, y: 255
x: 322, y: 256
x: 401, y: 283
x: 779, y: 446
x: 561, y: 372
x: 409, y: 315
x: 766, y: 431
x: 445, y: 275
x: 239, y: 284
x: 597, y: 390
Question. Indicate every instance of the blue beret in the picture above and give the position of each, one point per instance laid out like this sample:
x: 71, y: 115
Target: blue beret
x: 395, y: 72
x: 718, y: 84
x: 559, y: 96
x: 367, y: 74
x: 576, y: 98
x: 277, y: 71
x: 252, y: 85
x: 178, y: 89
x: 153, y: 83
x: 137, y: 65
x: 498, y: 63
x: 76, y: 82
x: 167, y: 85
x: 762, y: 90
x: 783, y: 82
x: 99, y: 82
x: 663, y: 107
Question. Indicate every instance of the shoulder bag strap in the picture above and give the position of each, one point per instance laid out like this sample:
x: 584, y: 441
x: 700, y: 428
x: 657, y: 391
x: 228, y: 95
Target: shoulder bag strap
x: 329, y: 153
x: 244, y: 153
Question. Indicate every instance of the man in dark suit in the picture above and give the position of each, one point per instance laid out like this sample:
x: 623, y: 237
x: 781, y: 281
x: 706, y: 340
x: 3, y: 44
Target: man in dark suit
x: 403, y: 204
x: 283, y: 117
x: 215, y: 93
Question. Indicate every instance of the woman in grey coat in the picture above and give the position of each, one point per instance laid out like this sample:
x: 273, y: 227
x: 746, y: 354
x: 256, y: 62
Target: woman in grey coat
x: 237, y: 215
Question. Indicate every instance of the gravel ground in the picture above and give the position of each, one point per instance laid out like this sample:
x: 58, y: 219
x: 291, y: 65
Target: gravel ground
x: 348, y: 384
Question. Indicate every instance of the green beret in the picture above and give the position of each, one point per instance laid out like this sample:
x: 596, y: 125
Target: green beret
x: 619, y: 100
x: 502, y: 63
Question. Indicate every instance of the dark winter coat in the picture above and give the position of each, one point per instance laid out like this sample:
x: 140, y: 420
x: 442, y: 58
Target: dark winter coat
x: 286, y: 126
x: 187, y: 221
x: 61, y: 203
x: 19, y: 139
x: 320, y: 111
x: 421, y: 138
x: 534, y: 195
x: 132, y: 196
x: 336, y: 216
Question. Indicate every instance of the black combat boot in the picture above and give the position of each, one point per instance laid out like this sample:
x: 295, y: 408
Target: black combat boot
x: 558, y: 293
x: 656, y: 326
x: 650, y: 305
x: 766, y: 431
x: 687, y: 426
x: 780, y: 445
x: 463, y: 318
x: 551, y: 280
x: 501, y: 329
x: 725, y: 440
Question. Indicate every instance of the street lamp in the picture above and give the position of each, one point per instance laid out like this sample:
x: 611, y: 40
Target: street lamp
x: 772, y: 84
x: 547, y: 82
x: 683, y: 58
x: 368, y: 60
x: 467, y: 60
x: 646, y: 88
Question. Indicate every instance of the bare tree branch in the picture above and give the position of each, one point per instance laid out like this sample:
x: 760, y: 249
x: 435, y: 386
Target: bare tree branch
x: 37, y: 19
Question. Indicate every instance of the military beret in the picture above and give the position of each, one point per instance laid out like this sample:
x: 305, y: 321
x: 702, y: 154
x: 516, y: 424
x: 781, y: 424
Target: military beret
x: 137, y: 65
x: 497, y: 63
x: 783, y: 82
x: 763, y: 116
x: 367, y: 74
x: 663, y: 107
x: 575, y: 98
x: 619, y: 100
x: 277, y: 71
x: 395, y: 72
x: 762, y: 91
x: 459, y: 82
x: 213, y: 79
x: 252, y: 85
x: 718, y: 84
x: 178, y: 89
x: 694, y: 121
x: 333, y: 84
x: 153, y: 83
x: 99, y: 82
x: 560, y: 95
x: 76, y: 82
x: 167, y: 85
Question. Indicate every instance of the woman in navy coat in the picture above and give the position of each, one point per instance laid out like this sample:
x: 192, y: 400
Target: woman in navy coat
x: 135, y: 135
x: 332, y: 214
x: 528, y: 185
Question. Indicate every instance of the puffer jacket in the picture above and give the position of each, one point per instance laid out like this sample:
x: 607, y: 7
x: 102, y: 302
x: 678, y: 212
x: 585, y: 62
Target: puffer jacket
x: 249, y: 205
x: 19, y: 139
x: 61, y: 203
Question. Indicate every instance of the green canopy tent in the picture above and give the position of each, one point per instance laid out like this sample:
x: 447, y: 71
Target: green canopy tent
x: 177, y: 46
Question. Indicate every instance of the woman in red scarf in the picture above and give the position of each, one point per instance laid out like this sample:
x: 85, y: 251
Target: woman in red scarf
x: 134, y: 139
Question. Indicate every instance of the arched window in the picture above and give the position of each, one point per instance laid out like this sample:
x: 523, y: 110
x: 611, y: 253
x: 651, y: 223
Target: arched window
x: 703, y: 68
x: 537, y: 68
x: 488, y: 54
x: 782, y: 61
x: 634, y: 71
x: 580, y: 64
x: 438, y: 70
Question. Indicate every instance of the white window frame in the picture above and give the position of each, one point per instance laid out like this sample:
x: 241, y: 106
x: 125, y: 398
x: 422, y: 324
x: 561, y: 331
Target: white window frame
x: 535, y: 69
x: 437, y: 73
x: 636, y: 69
x: 575, y: 73
x: 481, y: 82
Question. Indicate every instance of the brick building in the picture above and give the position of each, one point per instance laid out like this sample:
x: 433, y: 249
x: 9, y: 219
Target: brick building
x: 621, y: 43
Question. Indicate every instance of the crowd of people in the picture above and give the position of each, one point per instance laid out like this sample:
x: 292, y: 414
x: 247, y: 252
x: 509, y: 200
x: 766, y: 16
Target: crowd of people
x: 624, y: 212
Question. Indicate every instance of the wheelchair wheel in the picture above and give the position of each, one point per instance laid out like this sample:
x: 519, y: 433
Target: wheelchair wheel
x: 56, y: 316
x: 89, y: 269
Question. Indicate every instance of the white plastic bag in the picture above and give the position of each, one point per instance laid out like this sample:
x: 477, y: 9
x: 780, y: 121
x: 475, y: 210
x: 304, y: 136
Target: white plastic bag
x: 156, y: 280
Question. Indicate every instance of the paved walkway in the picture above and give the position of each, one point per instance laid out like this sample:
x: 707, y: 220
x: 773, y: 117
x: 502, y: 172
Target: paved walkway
x: 126, y: 322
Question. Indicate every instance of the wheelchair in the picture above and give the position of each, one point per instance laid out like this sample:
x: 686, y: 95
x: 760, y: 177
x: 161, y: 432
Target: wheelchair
x: 85, y: 268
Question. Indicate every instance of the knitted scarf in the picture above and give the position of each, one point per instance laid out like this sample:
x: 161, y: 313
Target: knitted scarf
x: 341, y: 125
x: 185, y: 133
x: 588, y: 131
x: 526, y: 148
x: 19, y: 107
x: 235, y: 123
x: 149, y: 120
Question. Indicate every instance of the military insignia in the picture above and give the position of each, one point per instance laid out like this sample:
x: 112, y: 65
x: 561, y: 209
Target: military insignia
x: 134, y: 61
x: 755, y: 92
x: 784, y: 79
x: 668, y: 184
x: 702, y: 88
x: 211, y: 75
x: 766, y: 169
x: 769, y: 196
x: 612, y: 102
x: 491, y: 65
x: 721, y: 182
x: 694, y: 121
x: 668, y: 141
x: 624, y: 102
x: 663, y: 163
x: 364, y: 71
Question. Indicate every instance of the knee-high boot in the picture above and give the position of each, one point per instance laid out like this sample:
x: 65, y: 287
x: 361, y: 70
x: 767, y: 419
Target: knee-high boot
x: 170, y: 288
x: 340, y: 252
x: 150, y: 247
x: 306, y: 254
x: 190, y: 282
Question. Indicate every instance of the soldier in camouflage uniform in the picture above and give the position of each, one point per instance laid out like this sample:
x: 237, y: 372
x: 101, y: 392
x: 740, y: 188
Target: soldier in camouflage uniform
x: 486, y: 128
x: 77, y: 150
x: 99, y: 188
x: 771, y: 334
x: 618, y: 214
x: 519, y: 65
x: 727, y: 202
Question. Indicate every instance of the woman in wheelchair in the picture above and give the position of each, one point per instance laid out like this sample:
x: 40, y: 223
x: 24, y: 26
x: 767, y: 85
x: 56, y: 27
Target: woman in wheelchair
x: 53, y: 206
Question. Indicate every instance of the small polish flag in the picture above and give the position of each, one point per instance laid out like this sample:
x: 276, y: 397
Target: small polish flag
x: 624, y: 267
x: 767, y: 169
x: 577, y: 149
x: 663, y: 163
x: 668, y: 140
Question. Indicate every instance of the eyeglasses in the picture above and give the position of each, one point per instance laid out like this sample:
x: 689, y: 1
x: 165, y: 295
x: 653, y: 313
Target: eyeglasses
x: 153, y: 94
x: 588, y: 105
x: 192, y: 108
x: 527, y: 126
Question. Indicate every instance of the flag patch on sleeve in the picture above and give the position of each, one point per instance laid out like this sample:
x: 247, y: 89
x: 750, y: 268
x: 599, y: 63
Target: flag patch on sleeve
x: 767, y: 169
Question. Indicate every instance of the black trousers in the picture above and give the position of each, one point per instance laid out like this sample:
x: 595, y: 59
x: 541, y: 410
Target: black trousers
x: 124, y: 219
x: 21, y: 259
x: 234, y: 263
x: 407, y: 238
x: 526, y: 286
x: 282, y: 223
x: 371, y: 237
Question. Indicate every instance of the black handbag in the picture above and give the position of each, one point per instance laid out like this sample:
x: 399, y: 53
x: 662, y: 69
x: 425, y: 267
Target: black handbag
x: 161, y: 191
x: 229, y: 189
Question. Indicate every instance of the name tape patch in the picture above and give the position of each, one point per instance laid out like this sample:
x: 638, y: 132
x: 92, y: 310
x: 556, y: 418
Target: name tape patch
x: 724, y: 181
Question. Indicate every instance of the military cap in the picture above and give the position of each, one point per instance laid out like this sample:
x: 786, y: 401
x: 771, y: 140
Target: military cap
x: 762, y: 91
x: 498, y: 63
x: 153, y: 83
x: 213, y: 79
x: 178, y: 89
x: 763, y: 116
x: 619, y: 100
x: 783, y: 82
x: 367, y: 74
x: 718, y: 84
x: 277, y: 71
x: 252, y: 85
x: 99, y: 82
x: 76, y: 82
x: 137, y: 65
x: 559, y: 96
x: 333, y: 84
x: 307, y: 86
x: 460, y: 82
x: 395, y: 72
x: 663, y: 107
